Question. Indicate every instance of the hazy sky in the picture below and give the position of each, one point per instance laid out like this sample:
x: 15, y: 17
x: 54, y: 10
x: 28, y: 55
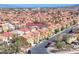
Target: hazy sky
x: 33, y: 5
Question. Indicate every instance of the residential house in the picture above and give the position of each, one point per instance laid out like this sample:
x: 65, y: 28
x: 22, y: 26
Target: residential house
x: 7, y: 36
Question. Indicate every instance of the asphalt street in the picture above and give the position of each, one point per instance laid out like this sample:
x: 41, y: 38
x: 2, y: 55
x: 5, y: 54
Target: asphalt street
x: 40, y: 48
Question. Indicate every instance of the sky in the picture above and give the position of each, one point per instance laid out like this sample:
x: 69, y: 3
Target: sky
x: 32, y: 5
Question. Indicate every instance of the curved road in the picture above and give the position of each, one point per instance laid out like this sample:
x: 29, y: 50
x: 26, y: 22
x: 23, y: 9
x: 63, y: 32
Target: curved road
x: 39, y: 48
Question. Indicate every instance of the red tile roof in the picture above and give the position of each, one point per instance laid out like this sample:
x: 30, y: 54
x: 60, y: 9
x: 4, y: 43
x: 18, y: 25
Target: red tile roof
x: 7, y: 34
x: 24, y: 29
x: 35, y: 24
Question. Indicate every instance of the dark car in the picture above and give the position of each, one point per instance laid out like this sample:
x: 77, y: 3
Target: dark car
x: 71, y: 31
x: 29, y: 52
x: 48, y: 44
